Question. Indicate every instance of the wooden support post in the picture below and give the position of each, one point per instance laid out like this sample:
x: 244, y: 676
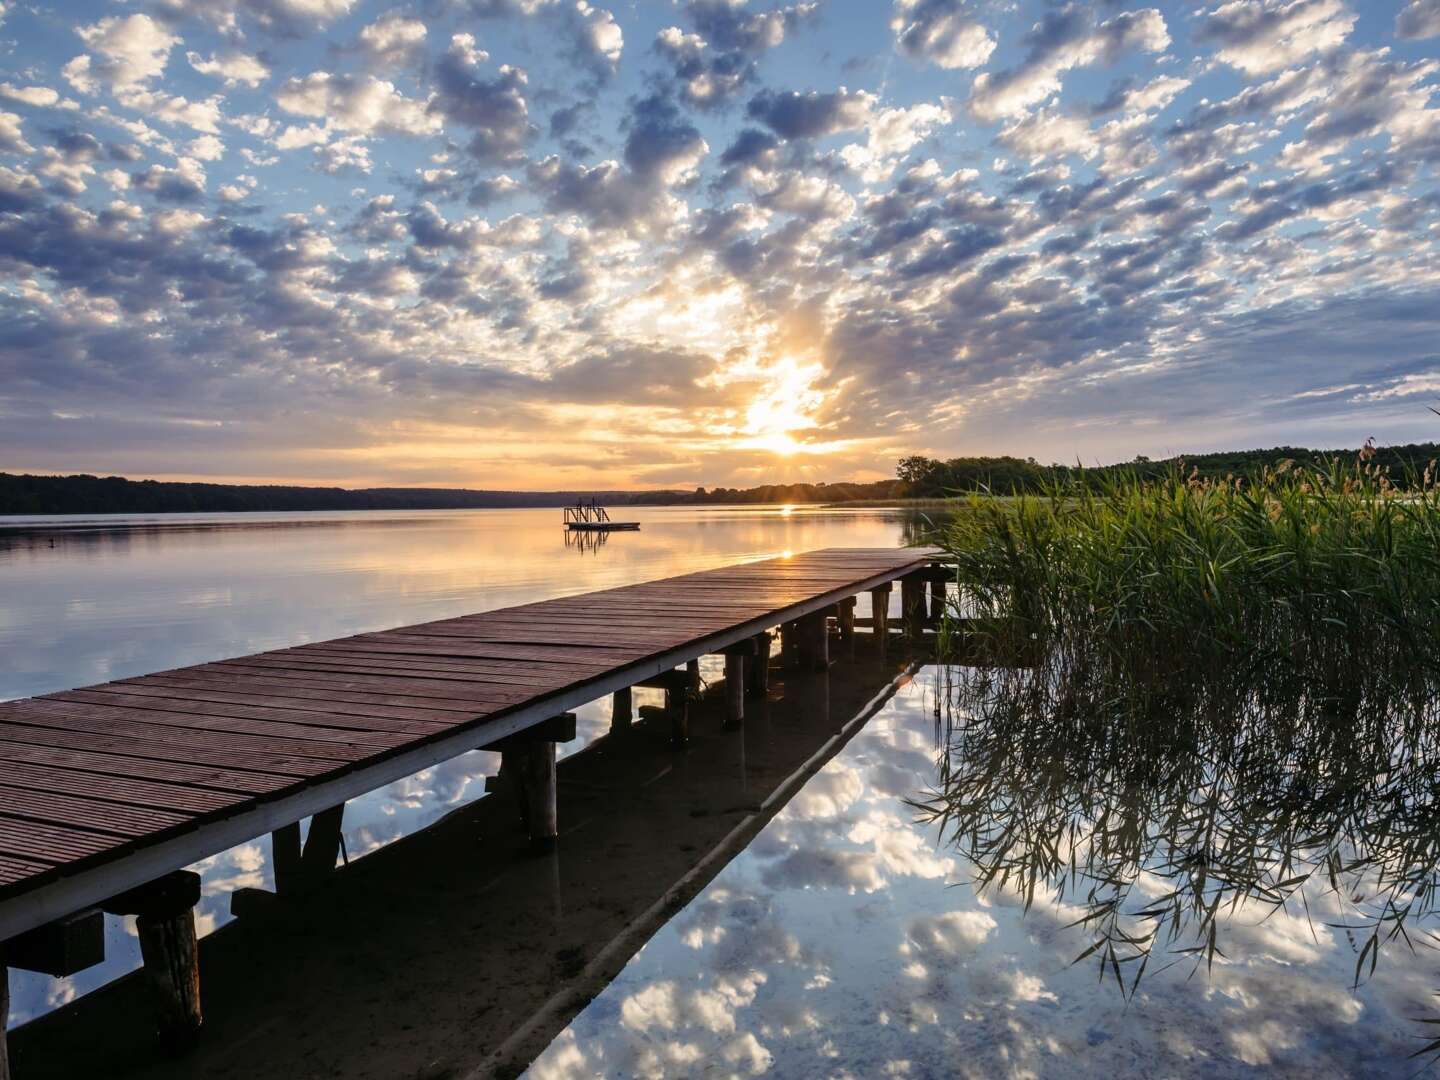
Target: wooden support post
x: 912, y: 605
x: 734, y: 690
x: 789, y: 644
x: 758, y: 670
x: 847, y: 619
x: 4, y: 1018
x: 937, y: 599
x: 815, y: 641
x: 285, y: 857
x: 537, y: 784
x: 692, y: 670
x: 880, y: 614
x: 322, y: 846
x: 165, y: 921
x: 677, y: 707
x: 621, y: 711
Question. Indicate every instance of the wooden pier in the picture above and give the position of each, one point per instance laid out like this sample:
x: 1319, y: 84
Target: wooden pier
x: 108, y: 792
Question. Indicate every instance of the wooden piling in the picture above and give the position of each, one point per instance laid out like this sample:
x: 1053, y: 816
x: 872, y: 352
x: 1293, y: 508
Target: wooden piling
x: 814, y: 644
x: 758, y: 670
x: 880, y: 615
x: 789, y: 644
x: 912, y: 605
x: 165, y: 923
x: 622, y: 712
x: 677, y: 707
x: 285, y: 857
x: 847, y: 619
x: 532, y: 765
x: 937, y: 599
x: 734, y: 691
x: 322, y: 846
x: 4, y: 1016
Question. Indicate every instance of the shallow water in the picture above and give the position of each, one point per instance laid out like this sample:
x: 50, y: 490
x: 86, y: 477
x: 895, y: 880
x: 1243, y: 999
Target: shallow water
x: 846, y: 941
x: 87, y: 600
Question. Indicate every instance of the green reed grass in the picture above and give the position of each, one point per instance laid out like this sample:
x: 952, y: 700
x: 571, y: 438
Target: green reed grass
x: 1300, y: 572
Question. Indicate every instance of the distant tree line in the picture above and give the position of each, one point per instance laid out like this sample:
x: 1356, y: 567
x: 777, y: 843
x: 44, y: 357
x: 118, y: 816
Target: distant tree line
x: 916, y: 477
x: 922, y: 477
x: 83, y: 494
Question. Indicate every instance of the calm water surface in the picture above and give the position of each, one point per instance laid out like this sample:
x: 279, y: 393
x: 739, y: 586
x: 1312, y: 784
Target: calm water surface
x: 847, y: 941
x: 87, y: 600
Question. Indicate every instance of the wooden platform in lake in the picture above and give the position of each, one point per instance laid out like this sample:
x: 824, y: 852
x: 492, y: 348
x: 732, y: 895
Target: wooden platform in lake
x: 105, y: 788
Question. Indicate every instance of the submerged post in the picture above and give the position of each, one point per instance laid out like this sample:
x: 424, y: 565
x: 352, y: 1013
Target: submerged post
x: 527, y: 761
x: 846, y: 608
x: 880, y: 614
x: 814, y: 635
x: 912, y: 604
x: 165, y: 922
x: 758, y: 670
x: 937, y: 599
x: 4, y: 1016
x: 621, y: 711
x: 734, y: 690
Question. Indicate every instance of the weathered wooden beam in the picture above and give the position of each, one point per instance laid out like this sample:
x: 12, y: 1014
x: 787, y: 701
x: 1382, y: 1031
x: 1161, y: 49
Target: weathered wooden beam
x: 165, y: 922
x: 60, y: 948
x: 758, y: 670
x: 555, y: 729
x: 847, y: 620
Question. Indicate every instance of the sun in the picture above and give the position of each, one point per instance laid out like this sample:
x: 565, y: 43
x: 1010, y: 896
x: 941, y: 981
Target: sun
x: 774, y: 417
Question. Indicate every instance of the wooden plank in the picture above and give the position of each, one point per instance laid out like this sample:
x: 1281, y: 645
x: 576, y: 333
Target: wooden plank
x: 57, y: 809
x: 125, y: 790
x: 54, y: 845
x: 107, y: 764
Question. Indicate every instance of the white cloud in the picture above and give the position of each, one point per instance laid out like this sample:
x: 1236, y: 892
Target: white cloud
x: 125, y: 53
x: 1064, y: 41
x: 942, y: 32
x: 1418, y: 19
x: 393, y: 40
x: 1260, y: 36
x: 356, y: 103
x: 233, y: 67
x: 30, y: 95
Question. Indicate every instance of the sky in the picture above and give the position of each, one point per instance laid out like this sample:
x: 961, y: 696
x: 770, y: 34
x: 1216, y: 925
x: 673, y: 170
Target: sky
x: 555, y: 244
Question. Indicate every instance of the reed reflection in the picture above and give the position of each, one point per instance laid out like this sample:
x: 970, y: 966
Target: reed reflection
x: 1170, y: 801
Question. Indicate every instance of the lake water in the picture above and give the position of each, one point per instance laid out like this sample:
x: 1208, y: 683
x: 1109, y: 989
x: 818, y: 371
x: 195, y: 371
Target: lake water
x: 84, y: 601
x: 847, y: 939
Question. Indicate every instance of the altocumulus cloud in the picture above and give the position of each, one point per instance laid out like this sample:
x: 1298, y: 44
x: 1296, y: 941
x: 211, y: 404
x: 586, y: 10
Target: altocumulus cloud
x: 537, y: 242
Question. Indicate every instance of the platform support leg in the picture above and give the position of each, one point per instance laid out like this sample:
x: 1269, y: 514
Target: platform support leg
x: 165, y: 922
x: 531, y: 766
x: 758, y: 670
x: 815, y: 642
x: 734, y: 691
x: 285, y: 857
x: 621, y: 711
x: 937, y: 600
x: 912, y: 605
x: 847, y: 619
x: 322, y: 845
x: 789, y: 644
x: 4, y: 1017
x: 880, y: 614
x: 677, y: 707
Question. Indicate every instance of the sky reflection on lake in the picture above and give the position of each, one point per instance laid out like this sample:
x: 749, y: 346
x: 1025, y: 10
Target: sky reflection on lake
x: 115, y: 597
x: 846, y: 942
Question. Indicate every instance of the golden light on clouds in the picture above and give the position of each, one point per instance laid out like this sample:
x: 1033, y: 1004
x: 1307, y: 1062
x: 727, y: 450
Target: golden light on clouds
x: 784, y: 408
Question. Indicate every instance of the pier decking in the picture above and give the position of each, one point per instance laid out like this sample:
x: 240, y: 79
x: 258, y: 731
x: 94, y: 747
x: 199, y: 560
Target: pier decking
x: 110, y: 787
